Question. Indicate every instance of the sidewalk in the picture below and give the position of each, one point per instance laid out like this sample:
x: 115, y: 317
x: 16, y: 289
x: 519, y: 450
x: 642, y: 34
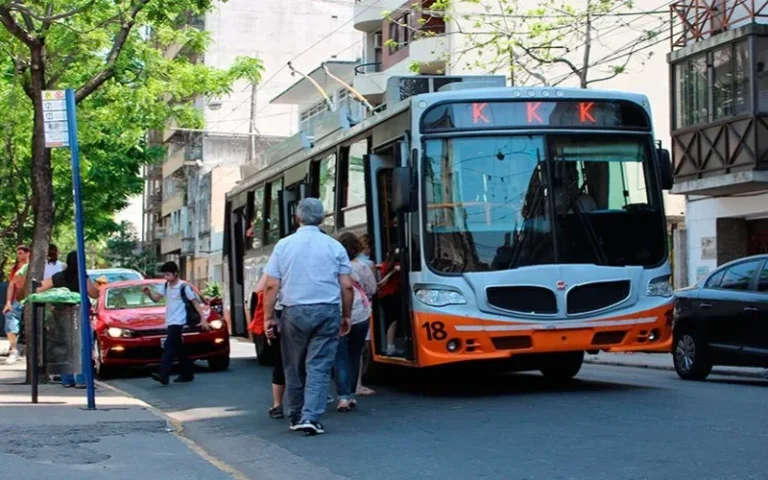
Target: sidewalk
x: 663, y: 361
x: 59, y: 439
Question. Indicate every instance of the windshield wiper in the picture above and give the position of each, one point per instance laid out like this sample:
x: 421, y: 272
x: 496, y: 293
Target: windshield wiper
x: 602, y: 259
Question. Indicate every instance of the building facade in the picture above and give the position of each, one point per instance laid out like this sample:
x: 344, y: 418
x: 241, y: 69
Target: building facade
x: 719, y: 116
x: 184, y: 197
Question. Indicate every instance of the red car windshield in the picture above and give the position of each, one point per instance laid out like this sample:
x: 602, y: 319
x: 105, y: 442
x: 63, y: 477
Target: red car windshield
x: 129, y: 298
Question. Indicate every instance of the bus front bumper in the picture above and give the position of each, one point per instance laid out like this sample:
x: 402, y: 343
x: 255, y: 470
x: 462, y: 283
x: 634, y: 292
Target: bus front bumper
x: 446, y: 339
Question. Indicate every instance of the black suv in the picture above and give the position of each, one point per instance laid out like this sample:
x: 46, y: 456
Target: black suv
x: 723, y: 319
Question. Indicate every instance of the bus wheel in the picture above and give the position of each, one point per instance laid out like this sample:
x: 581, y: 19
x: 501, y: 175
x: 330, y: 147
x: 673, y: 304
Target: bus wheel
x: 265, y: 354
x: 563, y: 366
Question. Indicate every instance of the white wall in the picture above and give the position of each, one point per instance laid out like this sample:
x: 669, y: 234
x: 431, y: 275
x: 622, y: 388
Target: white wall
x: 701, y: 222
x: 275, y: 32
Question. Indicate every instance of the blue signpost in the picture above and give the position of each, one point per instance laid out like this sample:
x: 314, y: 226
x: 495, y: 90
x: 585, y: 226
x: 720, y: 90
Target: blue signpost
x: 61, y: 130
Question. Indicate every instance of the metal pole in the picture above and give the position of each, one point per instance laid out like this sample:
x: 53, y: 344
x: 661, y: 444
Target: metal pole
x: 82, y: 273
x: 33, y: 350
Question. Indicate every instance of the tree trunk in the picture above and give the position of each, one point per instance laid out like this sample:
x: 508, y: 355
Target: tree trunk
x: 42, y: 182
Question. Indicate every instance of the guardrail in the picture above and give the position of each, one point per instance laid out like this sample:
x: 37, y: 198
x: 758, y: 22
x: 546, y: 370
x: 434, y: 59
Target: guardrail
x: 366, y: 68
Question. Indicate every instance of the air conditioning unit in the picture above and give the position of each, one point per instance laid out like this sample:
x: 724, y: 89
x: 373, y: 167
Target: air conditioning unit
x: 400, y: 88
x: 378, y: 40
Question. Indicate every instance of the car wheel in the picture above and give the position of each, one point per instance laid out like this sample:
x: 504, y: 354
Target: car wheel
x: 265, y: 354
x: 561, y: 367
x: 691, y: 357
x: 102, y: 371
x: 218, y: 364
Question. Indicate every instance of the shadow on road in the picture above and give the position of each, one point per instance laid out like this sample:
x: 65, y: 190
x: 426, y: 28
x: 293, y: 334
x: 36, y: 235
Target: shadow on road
x: 469, y: 382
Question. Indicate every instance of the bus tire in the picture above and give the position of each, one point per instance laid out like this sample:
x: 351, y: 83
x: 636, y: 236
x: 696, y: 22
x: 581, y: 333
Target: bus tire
x: 265, y: 354
x: 561, y: 367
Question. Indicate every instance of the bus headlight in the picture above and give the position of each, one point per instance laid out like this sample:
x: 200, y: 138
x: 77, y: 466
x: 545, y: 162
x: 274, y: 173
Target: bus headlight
x: 660, y: 287
x: 437, y: 297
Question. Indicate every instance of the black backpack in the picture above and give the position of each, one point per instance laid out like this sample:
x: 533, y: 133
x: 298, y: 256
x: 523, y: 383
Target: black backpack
x: 193, y: 316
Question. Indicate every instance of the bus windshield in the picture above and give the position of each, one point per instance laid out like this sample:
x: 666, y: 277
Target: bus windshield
x: 502, y: 202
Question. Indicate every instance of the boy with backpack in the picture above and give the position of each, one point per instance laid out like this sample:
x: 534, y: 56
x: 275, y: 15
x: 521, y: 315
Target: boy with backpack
x: 182, y: 308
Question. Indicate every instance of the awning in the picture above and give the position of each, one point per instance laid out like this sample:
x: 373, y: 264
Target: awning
x: 303, y: 92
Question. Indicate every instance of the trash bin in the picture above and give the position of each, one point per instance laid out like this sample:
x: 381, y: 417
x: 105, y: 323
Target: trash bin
x: 62, y: 339
x: 59, y: 334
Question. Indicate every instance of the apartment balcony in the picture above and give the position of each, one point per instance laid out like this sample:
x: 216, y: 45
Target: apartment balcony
x: 368, y: 13
x: 370, y: 81
x: 174, y: 162
x: 431, y: 52
x: 172, y: 204
x: 170, y: 244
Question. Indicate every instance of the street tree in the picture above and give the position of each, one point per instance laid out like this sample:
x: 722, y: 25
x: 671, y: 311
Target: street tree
x: 113, y: 54
x: 553, y: 43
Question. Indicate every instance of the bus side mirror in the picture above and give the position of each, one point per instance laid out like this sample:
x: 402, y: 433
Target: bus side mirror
x: 665, y: 168
x: 404, y: 189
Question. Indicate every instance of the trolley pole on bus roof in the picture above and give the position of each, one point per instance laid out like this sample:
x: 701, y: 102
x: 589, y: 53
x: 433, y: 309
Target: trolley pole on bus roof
x: 61, y: 131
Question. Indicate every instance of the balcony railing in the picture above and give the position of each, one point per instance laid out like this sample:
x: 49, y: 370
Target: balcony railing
x: 694, y: 20
x: 367, y: 68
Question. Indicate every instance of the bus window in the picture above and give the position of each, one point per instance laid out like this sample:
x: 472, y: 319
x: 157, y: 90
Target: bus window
x: 273, y: 213
x: 326, y: 184
x: 257, y: 234
x: 353, y: 210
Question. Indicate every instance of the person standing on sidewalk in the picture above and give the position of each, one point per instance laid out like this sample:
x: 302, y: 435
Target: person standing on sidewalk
x: 175, y: 319
x: 13, y: 311
x: 311, y: 272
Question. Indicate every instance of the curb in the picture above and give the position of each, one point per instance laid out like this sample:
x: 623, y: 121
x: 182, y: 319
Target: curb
x: 177, y: 428
x: 715, y: 371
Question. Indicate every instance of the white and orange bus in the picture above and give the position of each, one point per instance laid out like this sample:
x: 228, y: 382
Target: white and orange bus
x: 529, y: 221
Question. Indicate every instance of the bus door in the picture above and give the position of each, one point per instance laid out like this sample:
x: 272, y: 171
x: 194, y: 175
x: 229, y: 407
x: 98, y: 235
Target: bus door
x: 385, y: 228
x: 237, y: 277
x: 289, y: 198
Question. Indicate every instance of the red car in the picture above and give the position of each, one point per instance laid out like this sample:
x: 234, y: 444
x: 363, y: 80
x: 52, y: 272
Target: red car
x: 129, y: 330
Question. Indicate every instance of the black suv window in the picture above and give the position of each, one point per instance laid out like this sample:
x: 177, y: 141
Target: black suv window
x: 715, y: 279
x: 762, y: 282
x: 738, y: 276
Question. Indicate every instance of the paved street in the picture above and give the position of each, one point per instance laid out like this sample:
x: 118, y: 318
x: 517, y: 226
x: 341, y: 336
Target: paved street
x: 613, y: 423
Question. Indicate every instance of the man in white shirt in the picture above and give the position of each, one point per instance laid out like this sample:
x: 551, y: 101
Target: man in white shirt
x: 311, y: 273
x: 53, y: 265
x: 175, y: 320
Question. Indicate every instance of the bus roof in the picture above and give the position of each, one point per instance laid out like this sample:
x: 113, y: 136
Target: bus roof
x: 493, y: 93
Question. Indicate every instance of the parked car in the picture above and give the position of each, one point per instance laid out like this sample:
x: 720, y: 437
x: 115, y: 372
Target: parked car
x: 129, y: 330
x: 115, y: 274
x: 723, y: 319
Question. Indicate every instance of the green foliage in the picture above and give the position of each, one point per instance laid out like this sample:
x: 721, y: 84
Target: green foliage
x: 123, y: 249
x: 138, y: 89
x: 548, y: 44
x: 212, y: 290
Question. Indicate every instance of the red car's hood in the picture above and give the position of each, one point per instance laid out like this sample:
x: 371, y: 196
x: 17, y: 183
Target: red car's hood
x: 141, y: 318
x: 138, y: 319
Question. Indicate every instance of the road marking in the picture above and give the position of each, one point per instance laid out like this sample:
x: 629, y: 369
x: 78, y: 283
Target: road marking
x: 178, y: 431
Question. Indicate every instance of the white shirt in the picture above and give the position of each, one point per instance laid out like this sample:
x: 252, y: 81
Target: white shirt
x: 308, y: 264
x: 175, y: 311
x: 52, y: 269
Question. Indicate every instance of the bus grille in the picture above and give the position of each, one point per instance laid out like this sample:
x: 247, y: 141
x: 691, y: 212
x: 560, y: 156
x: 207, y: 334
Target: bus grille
x: 597, y: 296
x: 536, y: 300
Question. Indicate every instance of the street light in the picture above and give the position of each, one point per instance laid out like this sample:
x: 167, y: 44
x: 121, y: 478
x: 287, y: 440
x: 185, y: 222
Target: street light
x: 215, y: 104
